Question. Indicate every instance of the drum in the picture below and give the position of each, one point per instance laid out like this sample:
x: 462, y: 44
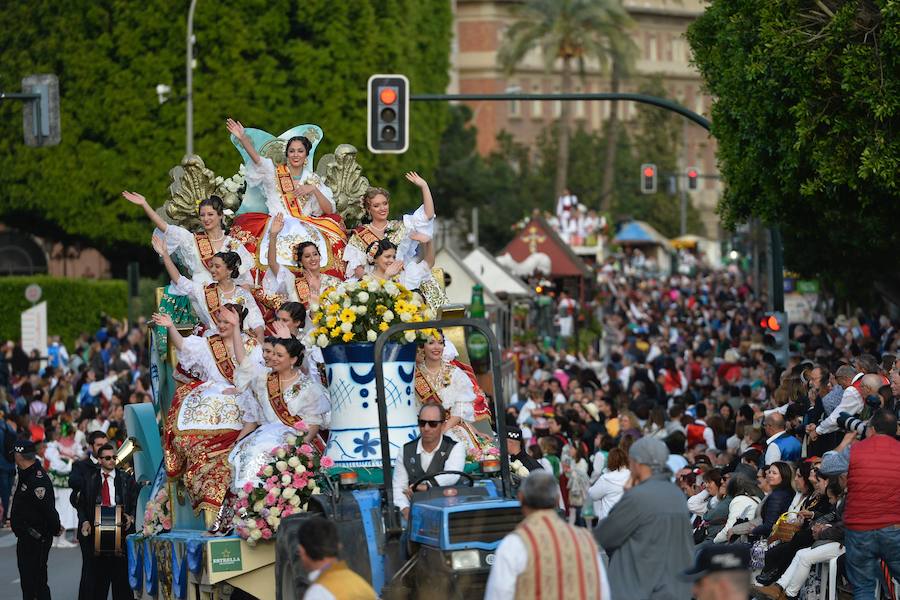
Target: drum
x: 109, y: 530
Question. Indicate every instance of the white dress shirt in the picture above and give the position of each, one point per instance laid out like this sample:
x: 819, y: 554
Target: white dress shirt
x: 111, y: 483
x: 456, y: 461
x: 511, y: 560
x: 317, y: 591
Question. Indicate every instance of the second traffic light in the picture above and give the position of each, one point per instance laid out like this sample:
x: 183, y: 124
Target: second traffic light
x: 775, y: 338
x: 388, y: 114
x: 648, y: 178
x: 693, y: 177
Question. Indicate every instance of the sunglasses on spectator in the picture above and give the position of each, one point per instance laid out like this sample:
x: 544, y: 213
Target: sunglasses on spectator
x: 424, y: 422
x: 107, y: 458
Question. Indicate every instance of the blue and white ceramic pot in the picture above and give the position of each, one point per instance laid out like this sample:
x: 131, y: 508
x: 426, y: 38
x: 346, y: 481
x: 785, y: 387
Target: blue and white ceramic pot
x: 355, y: 439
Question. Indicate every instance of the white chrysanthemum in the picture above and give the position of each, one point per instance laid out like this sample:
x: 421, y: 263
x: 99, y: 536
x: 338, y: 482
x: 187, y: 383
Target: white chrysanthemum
x: 347, y: 327
x: 360, y: 310
x: 267, y: 471
x: 257, y: 507
x: 388, y: 316
x: 322, y: 340
x: 295, y: 501
x: 363, y: 297
x: 371, y: 335
x: 293, y: 462
x: 281, y: 465
x: 391, y: 288
x: 406, y: 317
x: 288, y: 493
x: 255, y: 535
x: 285, y: 479
x: 410, y: 336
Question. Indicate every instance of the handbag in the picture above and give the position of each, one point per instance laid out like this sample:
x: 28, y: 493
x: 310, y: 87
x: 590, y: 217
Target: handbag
x: 785, y: 527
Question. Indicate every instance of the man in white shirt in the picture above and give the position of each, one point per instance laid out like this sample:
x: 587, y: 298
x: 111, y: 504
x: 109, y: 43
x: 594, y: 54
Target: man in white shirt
x: 431, y: 453
x: 852, y: 402
x: 532, y: 542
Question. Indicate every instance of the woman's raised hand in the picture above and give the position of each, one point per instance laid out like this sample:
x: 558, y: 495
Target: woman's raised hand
x: 162, y: 320
x: 159, y: 245
x: 234, y: 127
x: 134, y: 198
x: 277, y: 224
x: 281, y: 330
x: 394, y: 268
x: 419, y: 237
x: 416, y: 179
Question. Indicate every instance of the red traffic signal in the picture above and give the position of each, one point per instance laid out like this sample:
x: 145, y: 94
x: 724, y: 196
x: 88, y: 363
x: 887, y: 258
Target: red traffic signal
x: 388, y: 114
x: 770, y: 322
x: 648, y: 178
x: 693, y: 177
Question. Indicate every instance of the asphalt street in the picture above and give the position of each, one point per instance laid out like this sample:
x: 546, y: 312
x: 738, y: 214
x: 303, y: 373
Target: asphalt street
x: 63, y: 569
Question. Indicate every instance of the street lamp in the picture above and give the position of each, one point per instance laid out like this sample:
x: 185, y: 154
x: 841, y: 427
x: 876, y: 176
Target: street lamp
x: 189, y: 120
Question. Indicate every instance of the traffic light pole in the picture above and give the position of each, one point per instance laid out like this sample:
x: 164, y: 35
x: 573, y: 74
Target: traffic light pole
x: 776, y: 293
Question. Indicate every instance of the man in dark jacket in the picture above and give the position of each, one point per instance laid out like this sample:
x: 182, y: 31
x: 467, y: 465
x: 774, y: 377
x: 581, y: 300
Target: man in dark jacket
x: 34, y: 522
x: 82, y: 471
x: 107, y: 486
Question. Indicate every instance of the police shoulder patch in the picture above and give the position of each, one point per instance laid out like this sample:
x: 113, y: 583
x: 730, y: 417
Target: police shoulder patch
x: 39, y: 492
x: 39, y: 474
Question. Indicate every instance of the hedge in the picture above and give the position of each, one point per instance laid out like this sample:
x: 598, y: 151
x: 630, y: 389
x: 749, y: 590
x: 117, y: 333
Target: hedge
x: 73, y: 305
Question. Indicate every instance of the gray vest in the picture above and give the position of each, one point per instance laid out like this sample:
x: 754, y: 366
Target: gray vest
x: 413, y: 462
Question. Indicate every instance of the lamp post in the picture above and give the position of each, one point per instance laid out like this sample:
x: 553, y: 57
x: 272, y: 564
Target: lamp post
x: 189, y: 120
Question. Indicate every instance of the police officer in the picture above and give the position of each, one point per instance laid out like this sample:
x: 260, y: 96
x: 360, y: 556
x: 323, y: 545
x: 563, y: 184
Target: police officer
x: 34, y: 521
x: 516, y: 449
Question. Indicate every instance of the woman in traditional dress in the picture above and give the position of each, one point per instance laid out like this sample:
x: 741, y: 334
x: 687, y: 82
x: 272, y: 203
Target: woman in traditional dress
x: 281, y: 395
x: 292, y: 189
x: 439, y: 381
x: 304, y: 288
x: 61, y: 451
x: 376, y: 202
x: 417, y: 275
x: 196, y: 250
x: 208, y: 298
x: 206, y: 418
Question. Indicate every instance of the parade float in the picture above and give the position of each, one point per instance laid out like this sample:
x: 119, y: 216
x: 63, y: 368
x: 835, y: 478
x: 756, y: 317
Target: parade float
x: 368, y: 333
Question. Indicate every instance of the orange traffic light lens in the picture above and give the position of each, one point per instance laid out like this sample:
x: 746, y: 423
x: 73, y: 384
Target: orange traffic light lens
x: 387, y: 95
x: 773, y: 323
x: 648, y: 172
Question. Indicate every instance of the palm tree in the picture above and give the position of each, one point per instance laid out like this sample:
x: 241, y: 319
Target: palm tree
x: 571, y: 31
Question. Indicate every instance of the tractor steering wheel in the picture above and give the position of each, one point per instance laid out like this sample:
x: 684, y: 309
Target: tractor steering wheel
x: 431, y: 479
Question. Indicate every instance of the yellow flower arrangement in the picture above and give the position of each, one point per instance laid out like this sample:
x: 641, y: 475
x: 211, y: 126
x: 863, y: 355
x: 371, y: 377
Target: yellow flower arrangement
x: 358, y: 311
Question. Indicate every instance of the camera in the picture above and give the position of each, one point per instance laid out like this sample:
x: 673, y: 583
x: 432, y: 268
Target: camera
x: 850, y: 423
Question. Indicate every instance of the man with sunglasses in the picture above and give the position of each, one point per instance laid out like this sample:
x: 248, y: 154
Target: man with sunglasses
x: 107, y: 486
x: 432, y: 452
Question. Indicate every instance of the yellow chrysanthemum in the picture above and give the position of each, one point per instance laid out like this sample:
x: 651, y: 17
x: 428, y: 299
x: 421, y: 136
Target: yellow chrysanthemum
x: 323, y: 330
x: 348, y: 315
x: 383, y: 327
x: 333, y: 308
x: 335, y: 332
x: 316, y: 318
x: 380, y: 309
x: 347, y: 336
x: 331, y: 321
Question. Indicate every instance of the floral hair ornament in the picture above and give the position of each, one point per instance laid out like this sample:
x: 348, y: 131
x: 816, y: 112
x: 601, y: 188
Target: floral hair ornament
x: 372, y: 252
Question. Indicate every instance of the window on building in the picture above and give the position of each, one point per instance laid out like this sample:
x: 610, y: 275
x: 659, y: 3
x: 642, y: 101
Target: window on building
x: 653, y: 50
x: 536, y: 112
x: 515, y: 108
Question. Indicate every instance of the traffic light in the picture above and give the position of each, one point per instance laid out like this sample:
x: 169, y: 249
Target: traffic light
x: 388, y: 114
x: 41, y: 115
x: 648, y: 178
x: 692, y: 178
x: 775, y: 338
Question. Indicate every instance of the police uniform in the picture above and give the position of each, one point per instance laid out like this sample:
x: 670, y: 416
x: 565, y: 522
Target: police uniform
x: 514, y: 433
x: 35, y: 522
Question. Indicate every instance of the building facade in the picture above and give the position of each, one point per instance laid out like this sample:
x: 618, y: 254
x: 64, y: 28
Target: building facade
x: 663, y: 51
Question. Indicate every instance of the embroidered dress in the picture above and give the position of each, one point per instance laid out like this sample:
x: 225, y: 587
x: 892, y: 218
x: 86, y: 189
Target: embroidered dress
x: 276, y: 411
x: 396, y: 231
x: 295, y: 286
x: 58, y: 462
x: 454, y: 391
x: 304, y: 220
x: 195, y: 250
x: 205, y: 418
x: 207, y: 298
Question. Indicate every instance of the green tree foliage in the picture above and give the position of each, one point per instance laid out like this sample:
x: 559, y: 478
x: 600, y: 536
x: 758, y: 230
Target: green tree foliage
x: 272, y: 64
x: 74, y: 306
x: 806, y: 114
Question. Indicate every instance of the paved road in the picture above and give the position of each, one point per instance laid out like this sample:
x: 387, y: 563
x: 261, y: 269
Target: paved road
x: 63, y: 568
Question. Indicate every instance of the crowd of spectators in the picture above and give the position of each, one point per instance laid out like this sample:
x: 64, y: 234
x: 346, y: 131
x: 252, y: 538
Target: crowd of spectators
x: 58, y: 399
x: 765, y: 454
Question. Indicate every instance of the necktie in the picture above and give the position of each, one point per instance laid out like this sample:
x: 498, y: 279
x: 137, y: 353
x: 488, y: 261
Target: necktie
x: 104, y: 493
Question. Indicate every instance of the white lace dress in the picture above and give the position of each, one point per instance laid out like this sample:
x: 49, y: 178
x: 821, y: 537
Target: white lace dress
x: 216, y: 403
x: 355, y: 252
x: 457, y: 396
x: 303, y: 399
x: 60, y: 468
x: 196, y: 291
x: 182, y: 245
